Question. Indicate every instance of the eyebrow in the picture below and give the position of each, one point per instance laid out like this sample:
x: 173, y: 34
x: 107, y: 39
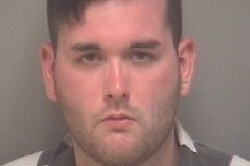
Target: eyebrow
x: 147, y: 44
x: 81, y: 47
x: 143, y: 44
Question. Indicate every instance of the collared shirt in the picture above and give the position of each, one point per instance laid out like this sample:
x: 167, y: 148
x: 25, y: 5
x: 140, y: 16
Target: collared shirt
x: 191, y: 154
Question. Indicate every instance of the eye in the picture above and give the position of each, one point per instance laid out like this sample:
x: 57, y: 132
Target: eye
x: 90, y: 58
x: 141, y: 56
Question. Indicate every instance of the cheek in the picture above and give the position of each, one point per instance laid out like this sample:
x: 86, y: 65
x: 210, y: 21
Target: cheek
x: 79, y: 97
x: 78, y: 89
x: 156, y: 95
x: 156, y: 87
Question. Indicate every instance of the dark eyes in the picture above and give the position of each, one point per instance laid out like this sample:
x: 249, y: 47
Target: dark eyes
x: 90, y: 58
x: 141, y: 56
x: 134, y: 57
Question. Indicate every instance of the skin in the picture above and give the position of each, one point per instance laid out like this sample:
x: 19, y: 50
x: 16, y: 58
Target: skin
x: 118, y: 79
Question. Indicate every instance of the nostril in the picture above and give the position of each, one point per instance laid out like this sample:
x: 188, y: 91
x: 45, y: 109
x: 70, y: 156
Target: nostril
x: 124, y: 95
x: 109, y: 96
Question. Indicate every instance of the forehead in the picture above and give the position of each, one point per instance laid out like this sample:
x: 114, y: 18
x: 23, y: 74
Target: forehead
x: 79, y: 14
x: 119, y: 19
x: 159, y: 5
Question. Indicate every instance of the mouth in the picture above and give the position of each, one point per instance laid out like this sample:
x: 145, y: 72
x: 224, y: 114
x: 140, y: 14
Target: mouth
x: 118, y: 121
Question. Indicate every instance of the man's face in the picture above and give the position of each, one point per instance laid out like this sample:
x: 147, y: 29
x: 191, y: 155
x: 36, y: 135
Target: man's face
x: 118, y: 80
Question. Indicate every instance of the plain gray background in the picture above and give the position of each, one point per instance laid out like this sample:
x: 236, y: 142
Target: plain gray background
x: 217, y: 111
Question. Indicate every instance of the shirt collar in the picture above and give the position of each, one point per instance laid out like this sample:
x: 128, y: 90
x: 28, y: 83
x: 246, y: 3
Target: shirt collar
x: 183, y: 137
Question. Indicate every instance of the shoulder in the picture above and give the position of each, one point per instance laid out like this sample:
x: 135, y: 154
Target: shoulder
x: 237, y: 161
x: 210, y: 156
x: 202, y: 154
x: 58, y: 154
x: 29, y: 160
x: 214, y: 156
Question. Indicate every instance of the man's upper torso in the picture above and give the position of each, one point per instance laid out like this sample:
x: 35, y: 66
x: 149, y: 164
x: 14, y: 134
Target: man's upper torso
x: 191, y: 154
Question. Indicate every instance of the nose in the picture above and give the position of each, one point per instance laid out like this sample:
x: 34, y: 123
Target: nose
x: 116, y: 87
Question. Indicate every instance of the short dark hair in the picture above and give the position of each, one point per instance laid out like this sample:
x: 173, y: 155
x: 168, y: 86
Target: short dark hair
x: 62, y: 11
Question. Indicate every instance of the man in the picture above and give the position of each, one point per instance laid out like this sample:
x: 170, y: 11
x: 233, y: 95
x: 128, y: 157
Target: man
x: 117, y: 68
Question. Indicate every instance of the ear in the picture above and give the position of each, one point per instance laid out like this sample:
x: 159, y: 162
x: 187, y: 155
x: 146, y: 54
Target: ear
x: 47, y: 59
x: 187, y: 60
